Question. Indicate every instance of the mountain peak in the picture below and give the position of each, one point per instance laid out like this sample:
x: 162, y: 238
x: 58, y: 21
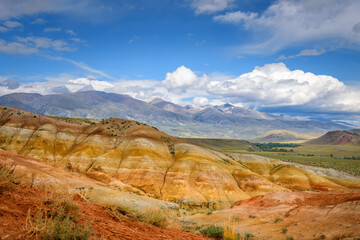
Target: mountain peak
x: 156, y: 101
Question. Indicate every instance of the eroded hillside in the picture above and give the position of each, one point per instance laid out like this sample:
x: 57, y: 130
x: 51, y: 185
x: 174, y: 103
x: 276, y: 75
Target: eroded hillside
x: 152, y: 163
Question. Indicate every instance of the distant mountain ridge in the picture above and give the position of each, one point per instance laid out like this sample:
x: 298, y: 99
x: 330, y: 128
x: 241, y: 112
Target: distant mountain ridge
x: 224, y: 121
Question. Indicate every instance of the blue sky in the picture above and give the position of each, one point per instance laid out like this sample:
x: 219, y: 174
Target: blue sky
x: 294, y: 57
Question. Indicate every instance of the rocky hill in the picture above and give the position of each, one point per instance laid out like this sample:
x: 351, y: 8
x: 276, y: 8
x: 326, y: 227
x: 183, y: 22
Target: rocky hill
x: 284, y: 136
x: 337, y: 137
x: 144, y: 160
x: 225, y: 121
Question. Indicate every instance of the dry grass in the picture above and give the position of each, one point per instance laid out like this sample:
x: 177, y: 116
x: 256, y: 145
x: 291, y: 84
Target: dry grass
x: 154, y: 217
x: 6, y: 175
x: 57, y: 217
x: 229, y: 230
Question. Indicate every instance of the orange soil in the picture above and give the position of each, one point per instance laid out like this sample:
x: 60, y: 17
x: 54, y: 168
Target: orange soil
x: 15, y: 204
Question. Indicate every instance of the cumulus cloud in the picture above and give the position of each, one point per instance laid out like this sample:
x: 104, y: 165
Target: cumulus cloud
x: 272, y: 86
x: 276, y: 85
x: 80, y: 83
x: 210, y: 6
x: 3, y: 29
x: 183, y: 78
x: 200, y: 101
x: 285, y: 23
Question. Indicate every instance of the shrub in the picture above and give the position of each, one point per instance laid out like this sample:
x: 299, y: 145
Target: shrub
x: 213, y: 231
x: 322, y: 236
x: 284, y: 230
x: 277, y: 219
x: 289, y: 238
x: 56, y: 224
x: 5, y: 177
x: 246, y: 236
x: 287, y: 214
x: 153, y: 217
x: 252, y: 216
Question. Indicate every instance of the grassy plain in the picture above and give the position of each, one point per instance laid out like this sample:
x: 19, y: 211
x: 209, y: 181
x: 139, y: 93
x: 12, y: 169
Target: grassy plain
x: 339, y: 157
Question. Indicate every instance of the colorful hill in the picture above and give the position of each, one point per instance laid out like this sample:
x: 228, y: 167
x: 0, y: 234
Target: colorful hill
x: 140, y: 159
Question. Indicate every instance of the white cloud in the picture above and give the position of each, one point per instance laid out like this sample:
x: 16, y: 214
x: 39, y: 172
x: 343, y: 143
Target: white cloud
x: 70, y: 32
x: 310, y: 52
x: 286, y: 23
x: 47, y: 43
x: 38, y: 21
x: 86, y: 67
x: 304, y: 53
x: 3, y: 29
x: 200, y: 101
x: 52, y: 30
x: 12, y: 24
x: 16, y: 48
x: 183, y: 78
x: 270, y: 86
x: 96, y: 85
x: 210, y: 6
x: 276, y: 85
x: 236, y: 17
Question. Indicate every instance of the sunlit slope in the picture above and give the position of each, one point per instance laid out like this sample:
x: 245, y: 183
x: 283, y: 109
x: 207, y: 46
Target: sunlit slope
x: 296, y: 176
x: 144, y: 158
x: 284, y: 136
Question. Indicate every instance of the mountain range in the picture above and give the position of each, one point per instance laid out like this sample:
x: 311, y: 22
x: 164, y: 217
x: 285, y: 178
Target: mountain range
x: 223, y: 121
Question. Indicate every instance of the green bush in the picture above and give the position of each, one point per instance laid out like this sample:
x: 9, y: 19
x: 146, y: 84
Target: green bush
x: 284, y: 230
x: 289, y: 238
x: 213, y: 231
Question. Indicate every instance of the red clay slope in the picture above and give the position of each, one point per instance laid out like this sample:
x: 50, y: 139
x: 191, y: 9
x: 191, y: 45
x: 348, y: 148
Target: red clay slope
x: 15, y: 204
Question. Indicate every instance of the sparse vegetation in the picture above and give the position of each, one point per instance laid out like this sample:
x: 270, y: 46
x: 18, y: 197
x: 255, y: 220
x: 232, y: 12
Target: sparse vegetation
x: 284, y: 230
x: 57, y: 220
x: 150, y: 216
x: 343, y: 157
x: 287, y: 214
x: 213, y: 231
x: 322, y: 236
x: 289, y: 238
x: 252, y: 216
x: 277, y: 219
x: 5, y: 177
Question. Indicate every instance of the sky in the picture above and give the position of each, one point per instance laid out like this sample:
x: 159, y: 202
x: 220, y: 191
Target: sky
x: 288, y: 57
